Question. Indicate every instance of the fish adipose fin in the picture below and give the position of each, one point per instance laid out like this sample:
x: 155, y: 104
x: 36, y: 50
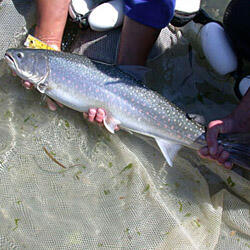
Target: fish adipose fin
x: 111, y: 124
x: 168, y: 149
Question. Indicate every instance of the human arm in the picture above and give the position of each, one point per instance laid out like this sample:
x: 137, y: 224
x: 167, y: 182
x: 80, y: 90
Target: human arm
x: 51, y: 20
x: 142, y: 24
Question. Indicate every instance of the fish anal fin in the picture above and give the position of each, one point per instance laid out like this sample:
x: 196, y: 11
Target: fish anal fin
x: 169, y: 149
x: 111, y: 124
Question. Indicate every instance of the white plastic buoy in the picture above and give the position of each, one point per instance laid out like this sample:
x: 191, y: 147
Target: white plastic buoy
x: 187, y: 6
x: 217, y: 48
x: 80, y: 7
x: 107, y: 16
x: 244, y: 85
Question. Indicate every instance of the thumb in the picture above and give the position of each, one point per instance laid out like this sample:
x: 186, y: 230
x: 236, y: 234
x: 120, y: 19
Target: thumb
x: 214, y: 129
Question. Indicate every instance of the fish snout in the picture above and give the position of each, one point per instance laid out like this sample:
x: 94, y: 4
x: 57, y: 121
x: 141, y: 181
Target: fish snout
x: 10, y: 60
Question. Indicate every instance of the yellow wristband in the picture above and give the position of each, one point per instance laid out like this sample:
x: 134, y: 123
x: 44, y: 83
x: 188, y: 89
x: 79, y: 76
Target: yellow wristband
x: 34, y: 43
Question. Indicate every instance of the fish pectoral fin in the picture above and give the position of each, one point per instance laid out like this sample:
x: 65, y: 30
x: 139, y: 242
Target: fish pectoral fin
x: 169, y: 149
x: 111, y: 123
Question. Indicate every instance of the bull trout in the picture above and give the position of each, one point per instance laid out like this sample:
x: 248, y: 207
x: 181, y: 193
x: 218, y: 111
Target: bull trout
x: 80, y: 84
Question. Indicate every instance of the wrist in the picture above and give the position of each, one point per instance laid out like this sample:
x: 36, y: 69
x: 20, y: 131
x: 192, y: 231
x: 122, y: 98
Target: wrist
x: 46, y: 37
x: 239, y: 120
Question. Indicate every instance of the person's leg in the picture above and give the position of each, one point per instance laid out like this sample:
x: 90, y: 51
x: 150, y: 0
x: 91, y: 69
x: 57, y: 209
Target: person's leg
x: 236, y: 23
x: 136, y: 42
x: 142, y: 24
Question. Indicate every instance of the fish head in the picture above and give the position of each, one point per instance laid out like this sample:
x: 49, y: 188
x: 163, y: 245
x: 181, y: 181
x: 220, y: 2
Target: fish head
x: 29, y: 64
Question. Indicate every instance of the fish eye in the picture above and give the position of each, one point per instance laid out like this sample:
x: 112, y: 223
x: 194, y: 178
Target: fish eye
x: 20, y: 55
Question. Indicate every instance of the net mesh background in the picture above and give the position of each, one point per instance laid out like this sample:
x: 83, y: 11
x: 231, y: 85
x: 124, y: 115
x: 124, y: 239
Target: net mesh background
x: 117, y: 191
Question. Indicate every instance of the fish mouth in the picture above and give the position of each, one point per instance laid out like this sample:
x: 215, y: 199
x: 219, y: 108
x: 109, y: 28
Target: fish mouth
x: 10, y: 61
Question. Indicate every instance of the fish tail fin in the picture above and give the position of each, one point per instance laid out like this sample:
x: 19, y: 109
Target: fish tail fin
x: 238, y: 146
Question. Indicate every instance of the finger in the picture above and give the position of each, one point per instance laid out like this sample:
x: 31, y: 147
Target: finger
x: 223, y: 157
x: 203, y: 152
x: 51, y: 104
x: 91, y: 114
x: 207, y: 157
x: 27, y: 85
x: 100, y: 115
x: 214, y: 128
x: 228, y: 165
x: 218, y: 153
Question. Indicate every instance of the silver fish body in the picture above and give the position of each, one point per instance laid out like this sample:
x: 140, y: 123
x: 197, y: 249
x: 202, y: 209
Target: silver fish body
x: 83, y: 84
x: 80, y: 84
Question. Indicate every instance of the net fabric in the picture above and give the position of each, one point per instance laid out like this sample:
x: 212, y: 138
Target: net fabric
x: 89, y: 42
x: 16, y: 18
x: 117, y: 191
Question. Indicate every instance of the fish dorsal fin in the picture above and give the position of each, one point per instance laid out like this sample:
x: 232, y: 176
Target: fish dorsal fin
x: 137, y: 71
x: 197, y: 118
x: 169, y: 149
x: 111, y: 123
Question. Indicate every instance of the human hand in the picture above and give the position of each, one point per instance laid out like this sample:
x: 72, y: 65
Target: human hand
x: 95, y: 114
x: 237, y: 122
x: 213, y: 151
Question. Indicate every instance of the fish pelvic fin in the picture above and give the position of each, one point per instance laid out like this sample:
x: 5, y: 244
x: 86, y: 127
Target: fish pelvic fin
x: 169, y: 149
x: 111, y: 124
x: 238, y: 146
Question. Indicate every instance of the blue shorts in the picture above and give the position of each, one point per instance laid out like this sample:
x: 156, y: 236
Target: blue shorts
x: 153, y: 13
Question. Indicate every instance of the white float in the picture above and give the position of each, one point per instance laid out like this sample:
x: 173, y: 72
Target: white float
x: 217, y: 49
x: 187, y: 6
x: 244, y: 85
x: 107, y: 16
x: 81, y: 7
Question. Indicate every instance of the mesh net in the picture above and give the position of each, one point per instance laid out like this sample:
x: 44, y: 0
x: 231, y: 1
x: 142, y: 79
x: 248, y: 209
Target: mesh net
x: 116, y: 191
x: 16, y: 18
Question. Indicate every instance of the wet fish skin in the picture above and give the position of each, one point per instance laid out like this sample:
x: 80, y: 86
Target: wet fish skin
x: 80, y: 84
